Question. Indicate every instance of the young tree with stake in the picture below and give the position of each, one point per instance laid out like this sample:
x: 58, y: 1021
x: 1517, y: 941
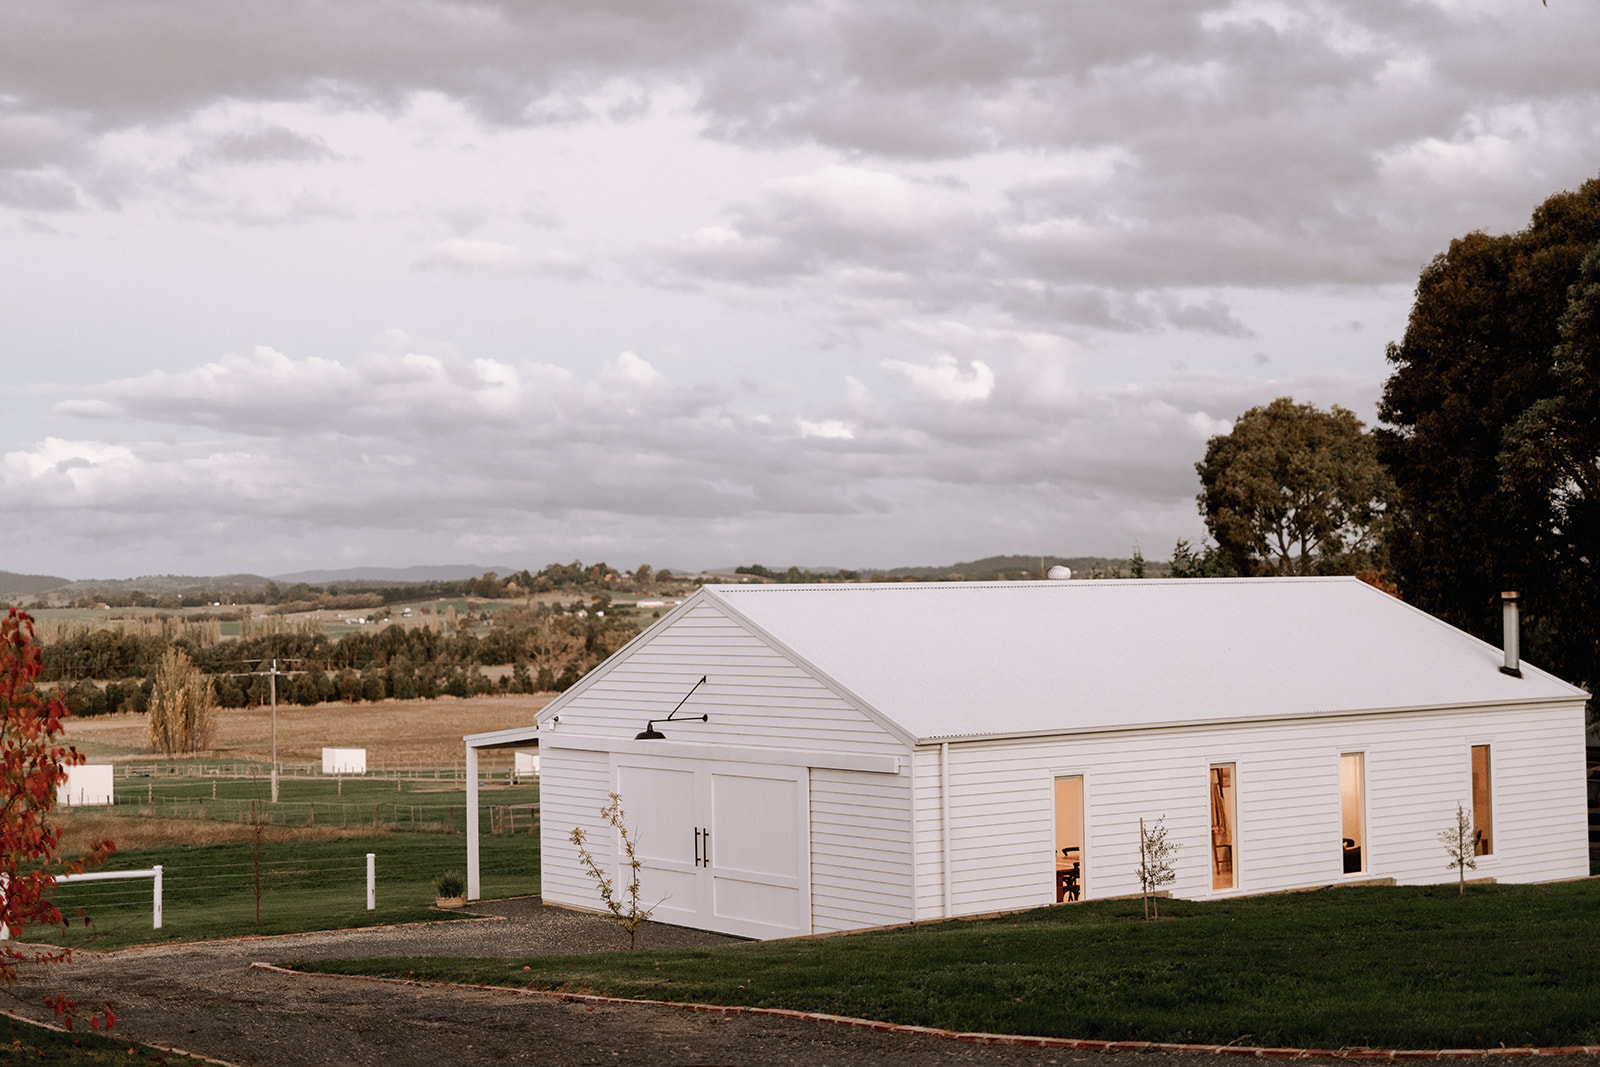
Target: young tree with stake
x: 1461, y: 845
x: 1155, y: 862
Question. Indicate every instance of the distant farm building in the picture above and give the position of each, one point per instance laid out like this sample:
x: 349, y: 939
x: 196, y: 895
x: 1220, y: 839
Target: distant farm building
x: 344, y: 761
x: 87, y: 783
x: 803, y: 759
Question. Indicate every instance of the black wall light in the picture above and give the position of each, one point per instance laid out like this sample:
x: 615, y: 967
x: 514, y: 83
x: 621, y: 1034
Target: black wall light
x: 650, y: 733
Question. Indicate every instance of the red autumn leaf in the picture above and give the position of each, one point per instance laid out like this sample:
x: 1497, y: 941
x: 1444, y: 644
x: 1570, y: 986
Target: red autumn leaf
x: 32, y: 766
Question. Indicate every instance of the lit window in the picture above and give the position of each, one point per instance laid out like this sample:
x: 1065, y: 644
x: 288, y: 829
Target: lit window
x: 1224, y: 842
x: 1482, y: 809
x: 1069, y: 838
x: 1352, y: 793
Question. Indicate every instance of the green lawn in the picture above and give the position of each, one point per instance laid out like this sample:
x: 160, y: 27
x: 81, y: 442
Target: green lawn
x: 1404, y: 967
x: 306, y: 885
x: 21, y: 1042
x: 409, y: 803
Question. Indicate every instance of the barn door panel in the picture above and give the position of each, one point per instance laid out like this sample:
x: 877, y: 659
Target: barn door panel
x: 725, y: 846
x: 760, y: 844
x: 661, y: 806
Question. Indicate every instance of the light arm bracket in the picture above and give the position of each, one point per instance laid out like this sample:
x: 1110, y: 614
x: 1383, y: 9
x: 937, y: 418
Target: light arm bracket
x: 650, y: 733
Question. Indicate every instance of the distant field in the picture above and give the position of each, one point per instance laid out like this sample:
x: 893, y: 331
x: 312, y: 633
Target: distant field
x: 407, y: 733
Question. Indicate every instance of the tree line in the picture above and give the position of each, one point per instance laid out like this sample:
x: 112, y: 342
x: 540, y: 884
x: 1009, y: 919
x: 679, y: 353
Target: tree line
x: 547, y: 648
x: 357, y: 594
x: 1484, y: 474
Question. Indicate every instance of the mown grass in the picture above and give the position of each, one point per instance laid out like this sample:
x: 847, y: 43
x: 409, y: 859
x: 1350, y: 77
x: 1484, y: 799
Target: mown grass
x: 1411, y: 967
x: 315, y: 884
x: 411, y: 803
x: 22, y: 1042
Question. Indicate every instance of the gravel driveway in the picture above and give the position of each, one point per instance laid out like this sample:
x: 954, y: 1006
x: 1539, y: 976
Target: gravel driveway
x: 206, y: 998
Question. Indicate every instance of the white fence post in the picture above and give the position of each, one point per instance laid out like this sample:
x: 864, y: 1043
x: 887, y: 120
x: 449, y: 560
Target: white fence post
x: 5, y: 887
x: 372, y: 881
x: 156, y: 917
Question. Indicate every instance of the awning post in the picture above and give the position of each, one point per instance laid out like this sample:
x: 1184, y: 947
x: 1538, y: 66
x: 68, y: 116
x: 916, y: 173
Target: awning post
x: 474, y: 887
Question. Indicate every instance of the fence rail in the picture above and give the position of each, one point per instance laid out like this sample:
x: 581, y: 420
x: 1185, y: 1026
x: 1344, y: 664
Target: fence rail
x: 104, y: 876
x: 506, y: 819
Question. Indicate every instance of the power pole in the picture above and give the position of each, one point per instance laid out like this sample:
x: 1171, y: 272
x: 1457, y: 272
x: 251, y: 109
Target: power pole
x: 272, y: 685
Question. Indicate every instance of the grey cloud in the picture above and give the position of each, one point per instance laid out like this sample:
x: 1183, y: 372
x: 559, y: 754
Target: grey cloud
x: 155, y: 62
x: 1252, y: 154
x: 37, y: 191
x: 1212, y: 317
x: 269, y: 144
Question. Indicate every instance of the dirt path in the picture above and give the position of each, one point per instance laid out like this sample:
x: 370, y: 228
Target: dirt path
x: 206, y: 998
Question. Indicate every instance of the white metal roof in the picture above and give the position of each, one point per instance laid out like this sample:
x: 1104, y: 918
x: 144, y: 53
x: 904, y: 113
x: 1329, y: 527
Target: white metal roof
x: 945, y: 660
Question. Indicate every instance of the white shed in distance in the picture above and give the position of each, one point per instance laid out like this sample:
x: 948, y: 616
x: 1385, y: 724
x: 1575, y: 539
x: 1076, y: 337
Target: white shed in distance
x: 87, y: 783
x: 344, y: 761
x: 877, y: 754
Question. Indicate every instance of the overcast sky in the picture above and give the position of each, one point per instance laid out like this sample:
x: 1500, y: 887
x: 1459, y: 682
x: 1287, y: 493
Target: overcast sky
x: 387, y: 282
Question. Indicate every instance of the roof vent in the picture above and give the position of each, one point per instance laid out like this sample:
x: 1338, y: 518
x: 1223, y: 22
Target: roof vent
x: 1059, y: 573
x: 1512, y: 632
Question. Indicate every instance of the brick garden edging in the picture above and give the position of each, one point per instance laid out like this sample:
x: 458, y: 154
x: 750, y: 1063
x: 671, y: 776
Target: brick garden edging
x: 1012, y: 1040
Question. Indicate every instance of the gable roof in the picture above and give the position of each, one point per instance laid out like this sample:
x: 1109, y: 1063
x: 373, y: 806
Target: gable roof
x: 951, y: 660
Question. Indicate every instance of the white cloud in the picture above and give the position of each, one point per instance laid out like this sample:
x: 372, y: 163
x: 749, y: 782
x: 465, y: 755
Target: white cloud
x: 634, y: 370
x: 943, y: 379
x: 832, y: 429
x: 468, y: 253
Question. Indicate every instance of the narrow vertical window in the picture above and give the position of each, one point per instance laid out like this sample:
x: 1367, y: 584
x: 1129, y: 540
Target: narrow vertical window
x: 1482, y: 808
x: 1353, y: 814
x: 1069, y: 838
x: 1224, y: 831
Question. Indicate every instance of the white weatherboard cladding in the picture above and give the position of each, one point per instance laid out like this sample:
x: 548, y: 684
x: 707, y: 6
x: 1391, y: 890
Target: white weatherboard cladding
x: 754, y: 694
x: 1002, y: 837
x: 951, y: 660
x: 573, y: 788
x: 860, y: 850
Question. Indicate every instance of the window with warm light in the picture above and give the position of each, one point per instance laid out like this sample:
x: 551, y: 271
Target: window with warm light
x: 1482, y: 808
x: 1224, y: 827
x: 1069, y: 837
x: 1353, y: 813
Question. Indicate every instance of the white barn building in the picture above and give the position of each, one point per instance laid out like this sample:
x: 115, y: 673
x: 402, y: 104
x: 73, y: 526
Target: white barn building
x: 848, y: 756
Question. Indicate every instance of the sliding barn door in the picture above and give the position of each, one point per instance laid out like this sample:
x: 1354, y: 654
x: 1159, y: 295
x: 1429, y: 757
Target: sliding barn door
x: 660, y: 803
x: 725, y: 846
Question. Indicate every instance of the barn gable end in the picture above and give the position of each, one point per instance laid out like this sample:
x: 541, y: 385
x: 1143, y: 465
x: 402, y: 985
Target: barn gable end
x: 766, y: 708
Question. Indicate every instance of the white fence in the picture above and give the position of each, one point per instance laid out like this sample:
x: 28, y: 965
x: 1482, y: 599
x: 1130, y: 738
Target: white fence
x: 104, y: 876
x: 156, y: 874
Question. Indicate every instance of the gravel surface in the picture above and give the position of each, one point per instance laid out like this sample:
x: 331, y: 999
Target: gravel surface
x: 205, y: 998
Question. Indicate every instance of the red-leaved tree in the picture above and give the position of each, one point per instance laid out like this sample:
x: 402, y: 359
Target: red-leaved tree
x: 32, y: 764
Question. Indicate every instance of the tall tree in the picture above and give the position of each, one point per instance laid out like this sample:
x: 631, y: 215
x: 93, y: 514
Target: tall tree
x: 1550, y: 468
x: 1479, y: 431
x: 1294, y: 490
x: 182, y: 706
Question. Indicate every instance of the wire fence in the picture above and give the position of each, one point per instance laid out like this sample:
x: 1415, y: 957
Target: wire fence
x: 299, y: 884
x: 440, y: 818
x: 250, y: 769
